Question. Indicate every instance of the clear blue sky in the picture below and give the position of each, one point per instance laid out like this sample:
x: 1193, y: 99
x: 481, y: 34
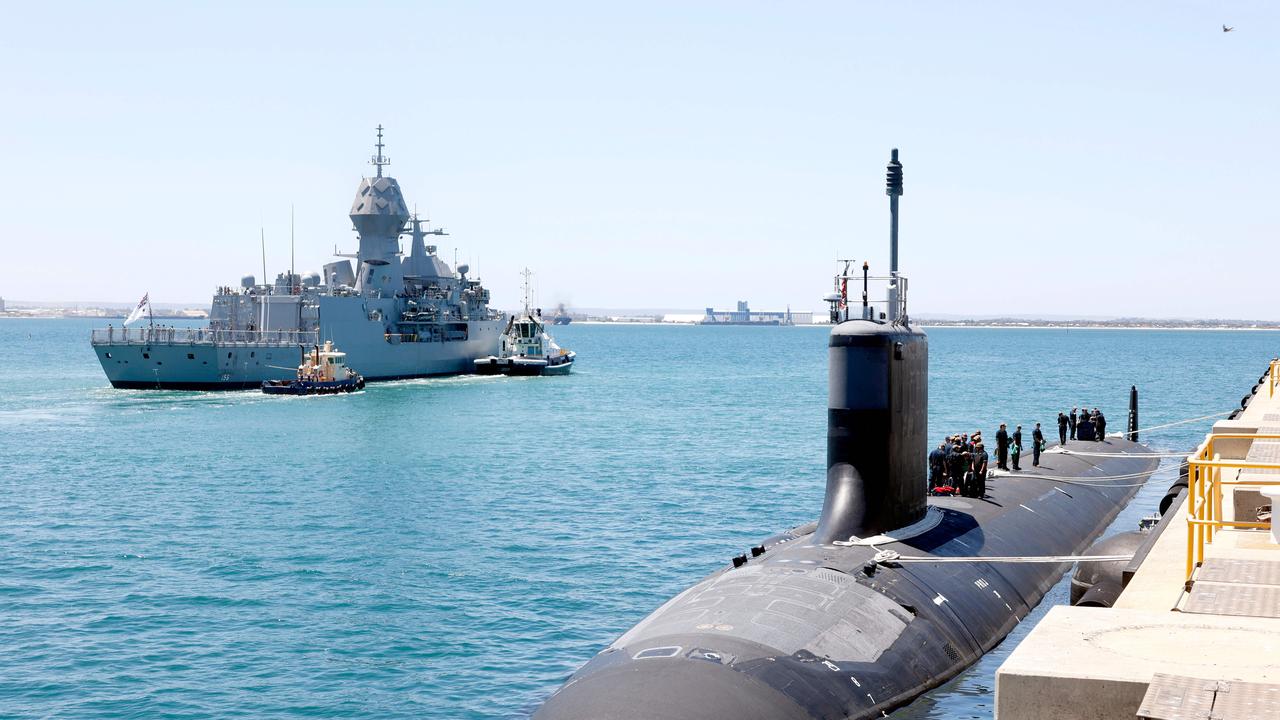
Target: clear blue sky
x: 1061, y: 158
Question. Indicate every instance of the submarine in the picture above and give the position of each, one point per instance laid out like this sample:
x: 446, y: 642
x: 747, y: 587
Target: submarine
x: 891, y: 591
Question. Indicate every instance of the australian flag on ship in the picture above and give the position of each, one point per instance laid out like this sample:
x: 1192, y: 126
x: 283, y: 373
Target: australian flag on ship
x: 144, y: 306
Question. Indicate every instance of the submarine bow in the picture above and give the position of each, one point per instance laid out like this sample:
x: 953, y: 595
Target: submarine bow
x: 814, y: 630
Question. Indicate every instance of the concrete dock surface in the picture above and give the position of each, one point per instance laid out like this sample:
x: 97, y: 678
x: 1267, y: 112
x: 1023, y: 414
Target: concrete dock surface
x: 1174, y: 646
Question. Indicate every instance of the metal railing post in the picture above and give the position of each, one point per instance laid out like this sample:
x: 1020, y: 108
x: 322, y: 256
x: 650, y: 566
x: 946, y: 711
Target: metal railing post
x: 1201, y: 501
x: 1214, y: 487
x: 1193, y: 476
x: 1217, y: 501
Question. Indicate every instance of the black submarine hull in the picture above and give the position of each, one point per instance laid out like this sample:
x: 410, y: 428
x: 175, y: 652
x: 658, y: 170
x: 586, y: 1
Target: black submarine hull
x: 804, y: 630
x: 821, y: 622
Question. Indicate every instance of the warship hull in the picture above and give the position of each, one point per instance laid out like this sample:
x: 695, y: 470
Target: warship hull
x: 181, y: 359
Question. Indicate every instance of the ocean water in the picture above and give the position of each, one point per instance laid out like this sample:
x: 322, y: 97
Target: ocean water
x: 455, y: 548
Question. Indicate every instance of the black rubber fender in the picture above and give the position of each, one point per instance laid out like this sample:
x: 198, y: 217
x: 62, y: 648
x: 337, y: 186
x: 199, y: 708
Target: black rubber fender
x: 1104, y: 594
x: 1090, y: 574
x: 1182, y: 483
x: 1174, y: 490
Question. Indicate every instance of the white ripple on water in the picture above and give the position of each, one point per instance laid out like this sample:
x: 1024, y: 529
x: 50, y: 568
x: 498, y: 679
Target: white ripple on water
x: 453, y: 381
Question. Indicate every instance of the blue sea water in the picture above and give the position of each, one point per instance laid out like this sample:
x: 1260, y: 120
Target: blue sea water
x: 454, y: 548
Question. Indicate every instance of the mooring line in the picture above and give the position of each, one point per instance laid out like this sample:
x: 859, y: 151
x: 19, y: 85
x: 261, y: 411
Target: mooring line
x: 890, y: 556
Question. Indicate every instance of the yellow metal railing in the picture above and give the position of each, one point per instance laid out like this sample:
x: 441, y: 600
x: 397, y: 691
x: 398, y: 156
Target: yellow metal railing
x: 1204, y: 491
x: 1272, y: 380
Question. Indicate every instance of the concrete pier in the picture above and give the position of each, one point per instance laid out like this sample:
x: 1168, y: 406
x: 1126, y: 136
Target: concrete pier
x: 1177, y: 644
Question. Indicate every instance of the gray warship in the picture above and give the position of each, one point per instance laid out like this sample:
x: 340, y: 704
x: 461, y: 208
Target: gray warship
x: 395, y: 316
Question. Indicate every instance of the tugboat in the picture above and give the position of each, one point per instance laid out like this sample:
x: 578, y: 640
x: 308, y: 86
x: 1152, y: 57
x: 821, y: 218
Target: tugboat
x: 525, y: 348
x: 322, y: 372
x: 562, y: 316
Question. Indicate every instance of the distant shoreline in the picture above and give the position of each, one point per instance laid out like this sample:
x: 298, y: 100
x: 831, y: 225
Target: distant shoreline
x: 923, y: 324
x: 1195, y: 328
x: 964, y: 326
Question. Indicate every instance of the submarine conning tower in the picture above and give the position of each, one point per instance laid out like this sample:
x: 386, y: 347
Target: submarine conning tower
x: 877, y: 407
x: 378, y: 215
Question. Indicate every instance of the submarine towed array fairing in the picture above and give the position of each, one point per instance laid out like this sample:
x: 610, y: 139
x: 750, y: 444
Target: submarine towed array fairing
x: 816, y: 622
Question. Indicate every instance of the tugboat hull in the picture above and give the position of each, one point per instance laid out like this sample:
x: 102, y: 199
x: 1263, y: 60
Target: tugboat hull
x: 522, y: 366
x: 303, y: 387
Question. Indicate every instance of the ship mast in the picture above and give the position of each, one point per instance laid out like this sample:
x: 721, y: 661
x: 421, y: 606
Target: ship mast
x: 378, y: 214
x: 526, y: 287
x: 893, y: 188
x: 379, y: 160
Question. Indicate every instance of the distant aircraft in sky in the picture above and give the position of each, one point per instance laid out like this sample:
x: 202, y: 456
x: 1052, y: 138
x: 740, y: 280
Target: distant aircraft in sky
x: 1227, y: 29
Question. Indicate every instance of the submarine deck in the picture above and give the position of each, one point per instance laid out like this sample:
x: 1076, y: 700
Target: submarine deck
x: 803, y: 629
x: 1175, y: 646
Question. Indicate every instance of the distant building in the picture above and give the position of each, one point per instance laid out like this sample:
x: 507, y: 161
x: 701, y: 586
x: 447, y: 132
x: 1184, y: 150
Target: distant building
x: 744, y: 315
x: 685, y: 318
x: 1, y: 304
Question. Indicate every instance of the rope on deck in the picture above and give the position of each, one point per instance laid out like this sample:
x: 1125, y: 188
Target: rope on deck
x: 1095, y: 478
x: 884, y: 557
x: 1184, y: 422
x: 1085, y: 453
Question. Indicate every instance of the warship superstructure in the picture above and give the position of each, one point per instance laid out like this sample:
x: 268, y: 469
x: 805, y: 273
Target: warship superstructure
x: 395, y: 316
